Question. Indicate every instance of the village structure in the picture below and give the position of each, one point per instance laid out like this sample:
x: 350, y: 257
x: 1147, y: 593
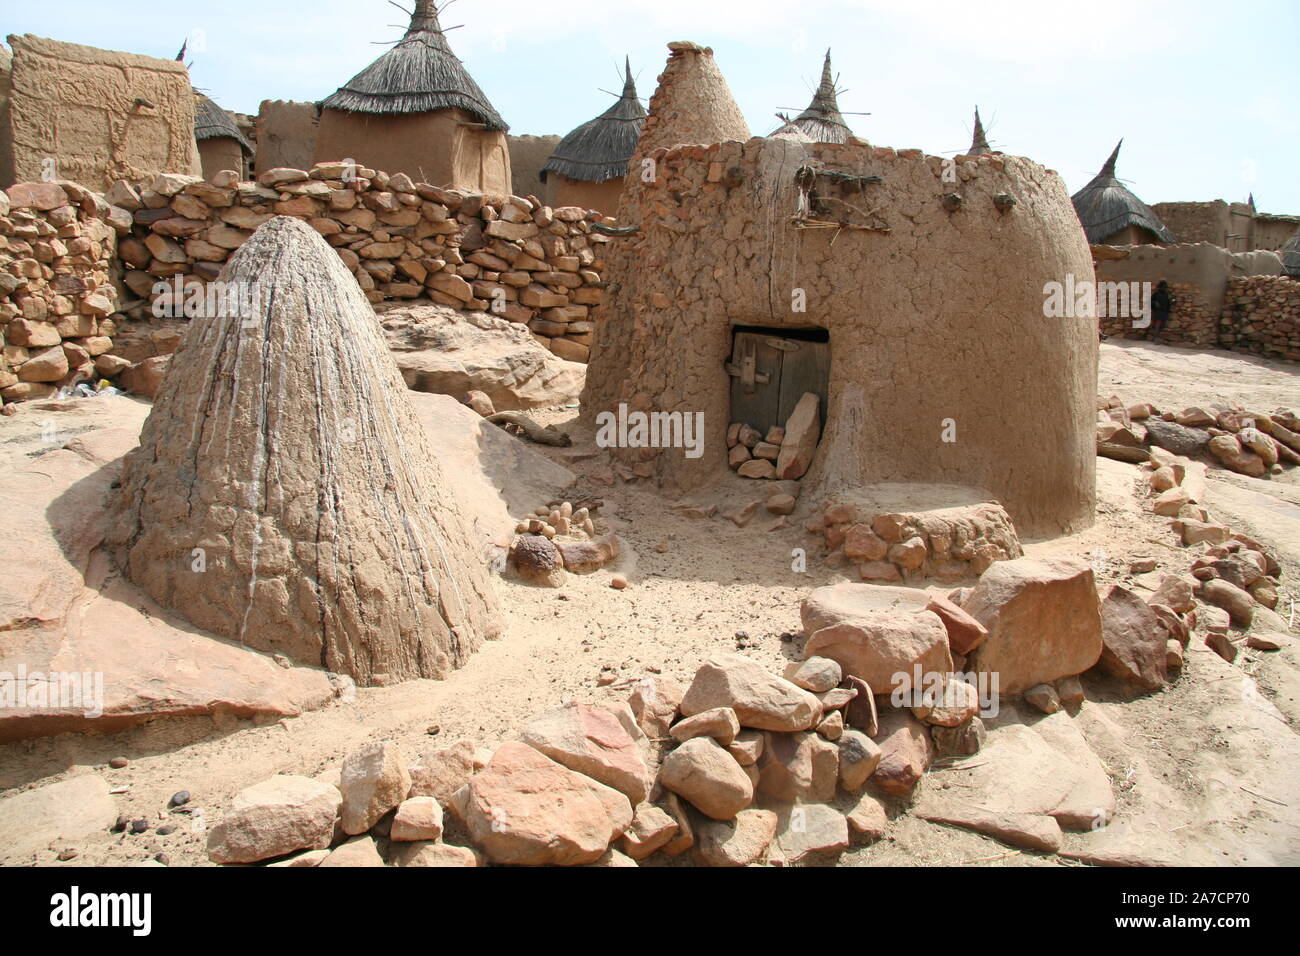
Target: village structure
x: 389, y: 489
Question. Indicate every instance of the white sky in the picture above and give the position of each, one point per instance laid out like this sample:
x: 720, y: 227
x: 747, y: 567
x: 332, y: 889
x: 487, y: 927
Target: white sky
x: 1203, y: 93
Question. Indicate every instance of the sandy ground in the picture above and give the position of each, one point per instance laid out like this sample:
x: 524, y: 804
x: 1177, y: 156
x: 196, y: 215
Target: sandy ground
x: 1207, y: 772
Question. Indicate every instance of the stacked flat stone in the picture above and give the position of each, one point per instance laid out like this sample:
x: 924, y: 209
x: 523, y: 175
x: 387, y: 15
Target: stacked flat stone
x: 509, y: 255
x: 1261, y: 315
x: 57, y: 244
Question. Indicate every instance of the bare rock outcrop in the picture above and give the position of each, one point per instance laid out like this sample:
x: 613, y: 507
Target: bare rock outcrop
x: 284, y: 493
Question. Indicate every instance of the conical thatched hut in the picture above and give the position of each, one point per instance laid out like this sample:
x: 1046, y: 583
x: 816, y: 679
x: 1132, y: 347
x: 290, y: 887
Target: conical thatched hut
x: 416, y: 110
x: 1113, y: 216
x: 822, y: 120
x: 979, y: 144
x: 789, y: 131
x: 221, y: 144
x: 286, y: 496
x: 590, y: 163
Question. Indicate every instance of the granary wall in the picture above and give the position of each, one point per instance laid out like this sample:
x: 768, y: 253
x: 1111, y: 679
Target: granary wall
x: 6, y: 135
x: 528, y: 154
x: 1273, y: 232
x: 445, y: 147
x: 939, y: 319
x: 95, y: 116
x: 57, y: 296
x: 286, y: 134
x: 525, y: 261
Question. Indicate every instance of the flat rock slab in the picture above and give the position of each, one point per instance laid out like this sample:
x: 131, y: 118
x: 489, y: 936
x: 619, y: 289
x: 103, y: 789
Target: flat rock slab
x: 61, y: 812
x: 1044, y: 769
x: 1028, y: 830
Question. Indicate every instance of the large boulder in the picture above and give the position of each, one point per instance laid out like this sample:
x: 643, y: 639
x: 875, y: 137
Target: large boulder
x: 839, y: 602
x: 760, y: 699
x: 277, y: 816
x: 905, y: 752
x: 798, y: 768
x: 452, y: 353
x: 1179, y: 439
x: 702, y: 772
x: 525, y: 809
x: 886, y: 648
x: 1043, y: 618
x: 1133, y: 640
x: 374, y: 780
x: 591, y: 741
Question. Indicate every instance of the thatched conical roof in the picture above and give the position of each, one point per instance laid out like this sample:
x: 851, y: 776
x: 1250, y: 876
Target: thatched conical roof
x: 419, y: 74
x: 1105, y: 206
x: 283, y: 452
x: 822, y: 120
x: 789, y: 131
x: 212, y: 122
x: 599, y: 149
x: 979, y: 144
x: 1290, y: 253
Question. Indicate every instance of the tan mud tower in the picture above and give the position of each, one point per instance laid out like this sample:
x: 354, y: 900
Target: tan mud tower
x: 284, y: 493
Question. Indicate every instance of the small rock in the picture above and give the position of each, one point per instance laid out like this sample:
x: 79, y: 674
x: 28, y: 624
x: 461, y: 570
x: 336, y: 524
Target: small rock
x: 703, y: 773
x: 739, y: 842
x: 720, y: 723
x: 1044, y: 697
x: 417, y: 818
x: 859, y: 757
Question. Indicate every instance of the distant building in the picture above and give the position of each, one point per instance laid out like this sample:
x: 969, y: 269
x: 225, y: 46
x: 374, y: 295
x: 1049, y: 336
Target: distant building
x: 590, y: 164
x: 416, y: 110
x: 1111, y: 215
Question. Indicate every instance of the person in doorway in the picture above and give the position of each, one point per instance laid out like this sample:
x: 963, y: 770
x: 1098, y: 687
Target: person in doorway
x: 1162, y: 303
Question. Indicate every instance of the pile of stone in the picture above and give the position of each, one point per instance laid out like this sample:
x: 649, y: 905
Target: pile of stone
x: 57, y: 244
x: 1245, y: 441
x: 944, y: 543
x: 782, y: 453
x: 1261, y: 314
x: 512, y: 256
x: 557, y: 538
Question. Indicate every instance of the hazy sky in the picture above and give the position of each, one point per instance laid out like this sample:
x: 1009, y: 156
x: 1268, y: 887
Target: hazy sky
x: 1203, y: 93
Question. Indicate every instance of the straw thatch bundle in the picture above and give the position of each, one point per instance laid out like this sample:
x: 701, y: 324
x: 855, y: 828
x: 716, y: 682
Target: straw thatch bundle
x: 418, y: 75
x: 212, y: 122
x: 1105, y: 206
x: 599, y: 149
x: 788, y: 130
x: 822, y: 120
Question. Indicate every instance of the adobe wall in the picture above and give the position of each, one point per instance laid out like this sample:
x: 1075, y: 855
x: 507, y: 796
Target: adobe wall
x: 1193, y: 222
x: 528, y: 154
x: 940, y: 318
x: 286, y: 134
x: 100, y: 115
x: 221, y: 153
x: 1198, y: 273
x: 6, y: 138
x: 436, y: 147
x: 1274, y: 233
x: 603, y: 196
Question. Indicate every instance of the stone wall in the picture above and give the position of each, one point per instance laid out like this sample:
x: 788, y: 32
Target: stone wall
x: 1194, y: 321
x: 1192, y: 222
x: 97, y: 115
x: 523, y: 261
x: 1261, y: 314
x: 57, y: 247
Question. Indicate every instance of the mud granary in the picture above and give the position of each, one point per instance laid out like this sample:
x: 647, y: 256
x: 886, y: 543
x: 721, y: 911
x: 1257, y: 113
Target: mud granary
x: 920, y: 283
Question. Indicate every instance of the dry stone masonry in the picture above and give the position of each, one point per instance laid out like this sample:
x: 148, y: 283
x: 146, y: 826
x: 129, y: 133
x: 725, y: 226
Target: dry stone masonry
x: 58, y: 241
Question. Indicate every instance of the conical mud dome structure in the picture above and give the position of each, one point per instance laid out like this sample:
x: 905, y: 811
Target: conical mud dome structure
x: 692, y: 103
x: 284, y: 493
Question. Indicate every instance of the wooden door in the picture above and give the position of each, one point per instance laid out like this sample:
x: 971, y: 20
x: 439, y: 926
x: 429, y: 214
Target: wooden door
x: 770, y: 372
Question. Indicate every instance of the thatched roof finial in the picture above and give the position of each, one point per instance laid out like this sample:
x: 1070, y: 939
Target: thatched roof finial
x: 979, y: 142
x: 424, y: 18
x: 1109, y: 168
x: 822, y: 120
